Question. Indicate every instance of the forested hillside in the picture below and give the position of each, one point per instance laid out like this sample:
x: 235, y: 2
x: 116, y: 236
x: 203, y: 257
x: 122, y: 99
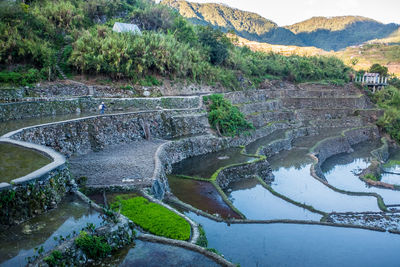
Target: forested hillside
x: 77, y: 35
x: 333, y: 33
x: 340, y: 32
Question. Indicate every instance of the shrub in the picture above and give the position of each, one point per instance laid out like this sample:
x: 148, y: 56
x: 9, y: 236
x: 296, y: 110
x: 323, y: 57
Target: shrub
x: 93, y: 246
x: 225, y: 118
x: 216, y: 43
x: 154, y: 218
x: 377, y: 68
x: 54, y: 258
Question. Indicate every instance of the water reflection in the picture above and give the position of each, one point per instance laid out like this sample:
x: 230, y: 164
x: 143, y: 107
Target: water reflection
x: 300, y: 245
x: 341, y: 172
x: 256, y: 202
x: 18, y: 242
x: 293, y: 179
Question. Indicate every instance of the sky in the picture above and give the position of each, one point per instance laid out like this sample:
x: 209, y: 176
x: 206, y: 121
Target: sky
x: 286, y: 12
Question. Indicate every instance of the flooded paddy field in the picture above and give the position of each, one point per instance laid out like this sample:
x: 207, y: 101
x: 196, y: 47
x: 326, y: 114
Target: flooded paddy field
x: 17, y: 243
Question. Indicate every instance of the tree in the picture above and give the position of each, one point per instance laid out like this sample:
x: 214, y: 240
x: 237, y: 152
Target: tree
x: 216, y: 42
x: 377, y: 68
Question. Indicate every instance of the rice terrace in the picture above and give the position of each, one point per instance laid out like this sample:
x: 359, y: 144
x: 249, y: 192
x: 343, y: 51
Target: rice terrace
x: 148, y: 133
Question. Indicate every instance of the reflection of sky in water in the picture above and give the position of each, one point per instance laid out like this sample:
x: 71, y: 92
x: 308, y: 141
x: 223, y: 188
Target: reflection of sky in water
x: 256, y: 202
x: 300, y: 186
x: 154, y: 255
x: 300, y: 245
x: 18, y: 242
x: 394, y: 176
x: 342, y: 172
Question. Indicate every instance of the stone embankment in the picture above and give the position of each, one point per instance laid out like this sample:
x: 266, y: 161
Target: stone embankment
x: 181, y: 122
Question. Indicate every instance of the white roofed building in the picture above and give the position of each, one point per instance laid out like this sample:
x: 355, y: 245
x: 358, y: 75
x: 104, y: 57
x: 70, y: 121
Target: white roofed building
x: 126, y: 27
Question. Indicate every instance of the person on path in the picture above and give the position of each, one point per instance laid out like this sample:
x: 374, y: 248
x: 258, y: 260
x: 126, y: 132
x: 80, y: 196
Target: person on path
x: 102, y: 108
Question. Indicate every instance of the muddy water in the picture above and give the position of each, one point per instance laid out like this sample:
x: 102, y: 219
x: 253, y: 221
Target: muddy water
x: 341, y: 170
x: 300, y: 245
x: 293, y: 179
x: 201, y: 195
x: 16, y: 162
x: 205, y: 165
x: 18, y: 242
x: 256, y: 202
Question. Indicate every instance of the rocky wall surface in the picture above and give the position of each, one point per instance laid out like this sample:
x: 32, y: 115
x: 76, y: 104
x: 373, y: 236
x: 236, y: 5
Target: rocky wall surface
x: 260, y: 119
x: 285, y: 143
x: 268, y: 105
x: 93, y: 133
x: 20, y: 202
x: 341, y: 144
x: 51, y: 106
x: 8, y: 94
x: 327, y: 103
x: 234, y: 173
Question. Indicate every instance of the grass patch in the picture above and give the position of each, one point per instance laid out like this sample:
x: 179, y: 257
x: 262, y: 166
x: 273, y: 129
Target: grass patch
x: 372, y: 177
x: 391, y: 163
x: 94, y: 246
x: 202, y: 240
x: 154, y: 218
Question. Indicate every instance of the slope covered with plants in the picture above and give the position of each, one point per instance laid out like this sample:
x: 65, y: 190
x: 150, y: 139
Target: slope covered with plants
x: 78, y: 34
x: 246, y: 24
x: 340, y: 32
x: 328, y: 33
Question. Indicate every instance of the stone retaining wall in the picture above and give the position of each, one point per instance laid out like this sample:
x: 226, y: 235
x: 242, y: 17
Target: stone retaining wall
x: 93, y: 133
x: 285, y: 143
x: 234, y: 173
x: 327, y: 103
x: 26, y: 199
x: 30, y: 109
x: 268, y: 105
x: 341, y: 144
x: 8, y: 94
x: 263, y: 118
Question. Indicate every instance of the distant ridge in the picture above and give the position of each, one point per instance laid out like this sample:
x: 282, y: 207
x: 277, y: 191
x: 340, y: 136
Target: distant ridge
x: 328, y: 33
x: 246, y: 24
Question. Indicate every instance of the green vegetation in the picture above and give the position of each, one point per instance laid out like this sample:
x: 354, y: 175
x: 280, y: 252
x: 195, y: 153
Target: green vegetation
x: 225, y: 118
x: 202, y: 240
x: 246, y: 24
x: 333, y: 33
x: 391, y: 163
x: 94, y: 246
x: 377, y: 68
x: 153, y: 218
x: 363, y: 57
x: 389, y: 100
x: 54, y: 258
x: 37, y: 35
x: 372, y: 177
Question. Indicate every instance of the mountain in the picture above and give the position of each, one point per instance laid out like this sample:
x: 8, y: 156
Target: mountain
x: 332, y: 33
x: 336, y: 33
x: 245, y: 24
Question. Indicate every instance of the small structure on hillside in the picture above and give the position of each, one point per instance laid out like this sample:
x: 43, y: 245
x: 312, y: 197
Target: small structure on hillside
x: 126, y: 27
x: 374, y: 80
